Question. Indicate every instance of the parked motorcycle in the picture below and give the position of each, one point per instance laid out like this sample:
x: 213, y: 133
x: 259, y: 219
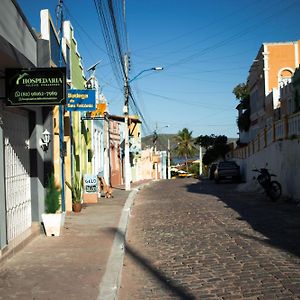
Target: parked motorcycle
x: 272, y: 188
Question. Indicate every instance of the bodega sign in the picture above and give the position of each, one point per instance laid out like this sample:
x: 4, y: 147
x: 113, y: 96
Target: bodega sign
x: 37, y: 86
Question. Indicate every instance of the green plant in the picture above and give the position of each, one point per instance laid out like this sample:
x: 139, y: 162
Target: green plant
x: 194, y: 169
x: 244, y: 121
x: 76, y: 189
x: 52, y: 196
x: 185, y: 145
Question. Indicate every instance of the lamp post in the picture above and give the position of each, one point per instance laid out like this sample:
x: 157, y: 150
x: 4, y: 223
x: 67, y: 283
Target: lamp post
x: 155, y: 132
x: 125, y: 111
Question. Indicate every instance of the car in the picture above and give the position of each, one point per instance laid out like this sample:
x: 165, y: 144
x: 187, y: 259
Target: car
x: 227, y: 170
x: 183, y: 174
x: 211, y: 171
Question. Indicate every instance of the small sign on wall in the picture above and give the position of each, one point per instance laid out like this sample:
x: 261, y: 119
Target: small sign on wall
x: 90, y: 184
x: 90, y: 188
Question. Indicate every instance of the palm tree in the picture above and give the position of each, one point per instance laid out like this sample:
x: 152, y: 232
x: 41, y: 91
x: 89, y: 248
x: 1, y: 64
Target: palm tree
x: 185, y: 145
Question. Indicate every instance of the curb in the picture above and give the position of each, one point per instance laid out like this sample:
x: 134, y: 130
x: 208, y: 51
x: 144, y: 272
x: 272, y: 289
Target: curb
x: 110, y: 283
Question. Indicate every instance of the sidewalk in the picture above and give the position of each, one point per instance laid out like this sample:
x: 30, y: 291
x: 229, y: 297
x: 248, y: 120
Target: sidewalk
x: 73, y: 265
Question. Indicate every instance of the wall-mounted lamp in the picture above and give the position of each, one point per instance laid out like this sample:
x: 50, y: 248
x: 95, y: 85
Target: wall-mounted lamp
x: 45, y: 140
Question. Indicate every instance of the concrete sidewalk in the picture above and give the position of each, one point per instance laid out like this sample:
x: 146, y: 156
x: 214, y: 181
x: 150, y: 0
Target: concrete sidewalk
x: 83, y: 263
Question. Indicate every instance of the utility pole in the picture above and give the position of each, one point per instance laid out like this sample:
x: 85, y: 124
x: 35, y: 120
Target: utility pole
x: 126, y: 133
x: 155, y: 148
x: 200, y: 160
x: 61, y: 114
x: 169, y: 160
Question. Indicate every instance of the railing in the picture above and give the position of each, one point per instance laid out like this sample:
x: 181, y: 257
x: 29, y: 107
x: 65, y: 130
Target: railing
x: 279, y: 130
x: 294, y: 125
x: 286, y: 128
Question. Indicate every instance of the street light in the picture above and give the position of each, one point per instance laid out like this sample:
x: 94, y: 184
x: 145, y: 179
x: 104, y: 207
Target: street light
x: 155, y: 132
x: 146, y: 70
x: 125, y: 110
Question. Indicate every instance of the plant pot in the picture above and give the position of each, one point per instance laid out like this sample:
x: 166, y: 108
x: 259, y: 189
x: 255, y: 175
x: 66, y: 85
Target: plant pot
x: 77, y: 206
x: 53, y: 223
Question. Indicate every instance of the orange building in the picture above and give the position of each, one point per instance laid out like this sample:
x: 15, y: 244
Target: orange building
x: 272, y: 68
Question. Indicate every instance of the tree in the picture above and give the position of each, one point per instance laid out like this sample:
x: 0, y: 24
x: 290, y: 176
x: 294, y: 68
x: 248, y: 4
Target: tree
x: 205, y: 141
x: 242, y: 93
x: 185, y: 145
x: 216, y: 146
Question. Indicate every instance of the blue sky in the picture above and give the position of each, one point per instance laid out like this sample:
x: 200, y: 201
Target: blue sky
x: 205, y: 47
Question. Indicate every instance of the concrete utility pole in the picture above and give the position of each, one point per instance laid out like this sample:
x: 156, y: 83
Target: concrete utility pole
x: 169, y: 160
x: 59, y: 11
x: 125, y: 110
x: 126, y: 133
x: 200, y: 160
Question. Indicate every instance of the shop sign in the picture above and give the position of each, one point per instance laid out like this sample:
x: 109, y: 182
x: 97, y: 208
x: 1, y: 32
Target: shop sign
x: 101, y: 109
x: 81, y: 100
x: 36, y: 86
x: 90, y: 184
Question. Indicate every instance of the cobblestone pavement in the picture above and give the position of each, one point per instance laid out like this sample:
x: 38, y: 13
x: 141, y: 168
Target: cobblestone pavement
x: 197, y: 240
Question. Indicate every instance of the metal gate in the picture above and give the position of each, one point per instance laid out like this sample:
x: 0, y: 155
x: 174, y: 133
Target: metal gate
x: 17, y: 172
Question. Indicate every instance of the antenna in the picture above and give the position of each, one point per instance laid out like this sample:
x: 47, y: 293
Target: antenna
x: 93, y: 67
x: 91, y: 81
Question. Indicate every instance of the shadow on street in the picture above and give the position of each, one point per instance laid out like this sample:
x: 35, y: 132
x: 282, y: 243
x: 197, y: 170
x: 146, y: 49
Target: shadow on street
x: 279, y: 221
x: 166, y: 282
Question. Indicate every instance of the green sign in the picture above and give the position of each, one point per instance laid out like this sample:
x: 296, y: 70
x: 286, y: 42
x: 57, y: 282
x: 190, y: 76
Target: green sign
x: 37, y: 86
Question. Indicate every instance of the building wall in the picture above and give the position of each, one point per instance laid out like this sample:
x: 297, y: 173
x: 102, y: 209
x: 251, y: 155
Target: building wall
x: 272, y: 60
x: 296, y: 86
x: 145, y: 165
x: 280, y: 56
x: 283, y: 160
x: 256, y: 83
x: 287, y: 103
x: 17, y: 32
x: 20, y: 48
x: 115, y: 159
x: 74, y: 163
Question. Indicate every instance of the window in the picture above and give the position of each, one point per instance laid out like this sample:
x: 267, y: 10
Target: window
x: 284, y: 77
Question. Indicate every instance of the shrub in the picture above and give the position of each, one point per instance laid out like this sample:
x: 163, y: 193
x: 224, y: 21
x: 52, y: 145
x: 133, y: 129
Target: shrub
x: 76, y: 189
x: 52, y: 196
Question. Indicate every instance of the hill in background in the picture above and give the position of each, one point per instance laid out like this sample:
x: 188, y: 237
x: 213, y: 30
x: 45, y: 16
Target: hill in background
x: 162, y: 141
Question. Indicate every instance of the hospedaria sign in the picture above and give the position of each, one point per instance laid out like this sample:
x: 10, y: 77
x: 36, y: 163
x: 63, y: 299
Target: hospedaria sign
x: 81, y: 100
x: 36, y: 86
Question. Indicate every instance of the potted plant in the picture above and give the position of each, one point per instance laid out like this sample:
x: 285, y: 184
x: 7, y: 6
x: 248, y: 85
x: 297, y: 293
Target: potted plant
x: 53, y: 219
x: 76, y: 190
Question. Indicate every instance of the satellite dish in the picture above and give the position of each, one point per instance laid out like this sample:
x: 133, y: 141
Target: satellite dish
x: 93, y: 67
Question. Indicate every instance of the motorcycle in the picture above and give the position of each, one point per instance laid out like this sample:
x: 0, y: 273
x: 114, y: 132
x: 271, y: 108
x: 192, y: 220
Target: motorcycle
x: 272, y: 188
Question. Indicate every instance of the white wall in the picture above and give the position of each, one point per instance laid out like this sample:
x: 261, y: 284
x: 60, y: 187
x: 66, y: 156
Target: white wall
x: 283, y: 158
x: 15, y: 30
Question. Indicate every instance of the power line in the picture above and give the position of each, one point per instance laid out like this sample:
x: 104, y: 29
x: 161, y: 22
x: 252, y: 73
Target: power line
x: 232, y: 37
x: 199, y: 28
x: 186, y: 102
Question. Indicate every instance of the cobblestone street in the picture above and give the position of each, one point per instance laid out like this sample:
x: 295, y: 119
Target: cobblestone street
x: 189, y: 239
